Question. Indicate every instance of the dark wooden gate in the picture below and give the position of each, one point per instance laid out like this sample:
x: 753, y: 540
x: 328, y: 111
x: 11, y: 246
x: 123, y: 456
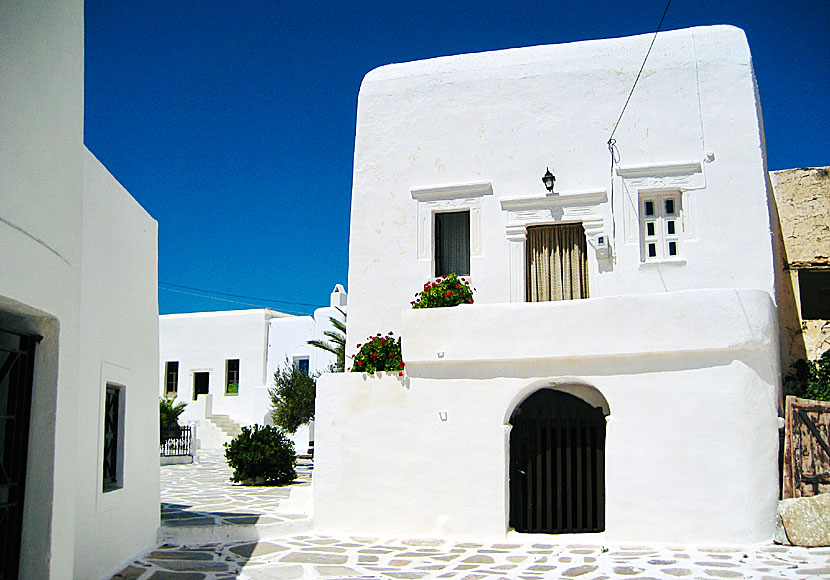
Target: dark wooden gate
x: 557, y: 465
x: 806, y: 448
x: 16, y: 372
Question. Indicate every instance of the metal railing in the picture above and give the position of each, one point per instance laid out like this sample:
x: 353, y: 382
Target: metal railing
x: 176, y: 441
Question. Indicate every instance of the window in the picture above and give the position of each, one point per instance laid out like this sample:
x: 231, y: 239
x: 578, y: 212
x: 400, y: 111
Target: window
x: 232, y: 376
x: 452, y: 243
x: 302, y: 364
x: 557, y: 263
x: 113, y: 437
x: 814, y: 294
x: 660, y: 226
x: 171, y: 371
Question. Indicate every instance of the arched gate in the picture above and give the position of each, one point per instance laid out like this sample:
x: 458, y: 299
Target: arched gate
x: 557, y: 465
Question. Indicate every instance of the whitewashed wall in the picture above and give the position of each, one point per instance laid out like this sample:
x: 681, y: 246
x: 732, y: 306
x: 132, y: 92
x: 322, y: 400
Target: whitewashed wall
x: 203, y: 342
x: 691, y: 433
x: 261, y: 339
x: 684, y: 352
x: 51, y: 278
x: 501, y: 118
x: 119, y: 338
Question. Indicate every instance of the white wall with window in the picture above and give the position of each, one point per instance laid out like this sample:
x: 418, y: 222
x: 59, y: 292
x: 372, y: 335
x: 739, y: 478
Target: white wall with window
x: 613, y: 281
x: 223, y: 363
x: 67, y: 229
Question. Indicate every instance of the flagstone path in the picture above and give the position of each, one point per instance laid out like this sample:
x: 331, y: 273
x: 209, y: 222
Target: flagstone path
x: 306, y: 555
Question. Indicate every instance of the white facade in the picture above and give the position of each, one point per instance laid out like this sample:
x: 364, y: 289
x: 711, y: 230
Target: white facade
x: 79, y: 270
x: 203, y: 343
x: 680, y: 351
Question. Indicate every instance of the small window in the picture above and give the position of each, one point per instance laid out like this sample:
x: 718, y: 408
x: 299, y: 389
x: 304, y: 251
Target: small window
x: 302, y: 364
x: 814, y: 294
x: 660, y: 226
x: 113, y: 438
x: 171, y: 371
x: 232, y: 376
x: 452, y: 243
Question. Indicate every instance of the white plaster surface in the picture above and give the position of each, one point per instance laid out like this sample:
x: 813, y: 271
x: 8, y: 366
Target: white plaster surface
x: 682, y: 354
x: 261, y: 339
x: 502, y: 117
x: 79, y: 269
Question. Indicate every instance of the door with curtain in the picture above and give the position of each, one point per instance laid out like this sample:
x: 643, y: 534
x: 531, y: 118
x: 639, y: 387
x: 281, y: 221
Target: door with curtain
x: 557, y: 263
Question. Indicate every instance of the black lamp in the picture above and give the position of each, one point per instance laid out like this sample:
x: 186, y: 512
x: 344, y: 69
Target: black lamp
x: 548, y: 180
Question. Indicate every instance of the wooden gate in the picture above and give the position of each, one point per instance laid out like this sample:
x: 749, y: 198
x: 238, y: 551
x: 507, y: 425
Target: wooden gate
x: 806, y: 448
x: 557, y: 465
x: 16, y: 372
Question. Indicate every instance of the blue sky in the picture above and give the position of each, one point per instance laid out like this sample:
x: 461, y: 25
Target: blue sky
x: 232, y: 123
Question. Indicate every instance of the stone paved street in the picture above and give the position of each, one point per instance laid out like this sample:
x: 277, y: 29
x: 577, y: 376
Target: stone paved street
x: 198, y: 497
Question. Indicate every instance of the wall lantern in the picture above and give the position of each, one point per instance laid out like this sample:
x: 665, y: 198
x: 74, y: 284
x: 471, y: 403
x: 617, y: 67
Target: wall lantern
x: 548, y: 180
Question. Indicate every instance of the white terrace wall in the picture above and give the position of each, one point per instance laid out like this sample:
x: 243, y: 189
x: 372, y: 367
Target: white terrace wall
x: 691, y: 433
x: 476, y: 132
x: 76, y: 250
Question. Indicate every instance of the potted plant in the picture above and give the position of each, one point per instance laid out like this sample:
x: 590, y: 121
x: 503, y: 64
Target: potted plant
x: 379, y: 353
x: 450, y: 290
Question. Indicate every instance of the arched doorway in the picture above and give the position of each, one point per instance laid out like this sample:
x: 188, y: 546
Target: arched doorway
x: 557, y: 465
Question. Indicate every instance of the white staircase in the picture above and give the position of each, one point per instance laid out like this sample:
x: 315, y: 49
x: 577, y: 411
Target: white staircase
x: 227, y: 425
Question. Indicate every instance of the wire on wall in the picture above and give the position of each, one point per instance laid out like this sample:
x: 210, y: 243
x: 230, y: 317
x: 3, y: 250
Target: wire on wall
x: 612, y: 143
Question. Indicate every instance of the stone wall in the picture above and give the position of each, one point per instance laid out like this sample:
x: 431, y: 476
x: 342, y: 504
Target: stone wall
x: 802, y: 197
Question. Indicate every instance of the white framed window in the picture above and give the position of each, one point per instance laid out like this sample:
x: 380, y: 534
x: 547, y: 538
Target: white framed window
x: 661, y: 226
x: 114, y: 414
x: 452, y: 243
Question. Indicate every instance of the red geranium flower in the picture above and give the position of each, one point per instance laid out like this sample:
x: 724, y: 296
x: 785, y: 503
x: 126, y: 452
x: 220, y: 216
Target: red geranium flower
x: 401, y: 365
x: 400, y: 374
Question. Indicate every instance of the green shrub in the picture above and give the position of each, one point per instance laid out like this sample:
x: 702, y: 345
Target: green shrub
x: 292, y: 397
x: 379, y: 353
x: 169, y: 412
x: 261, y: 454
x: 809, y: 379
x: 449, y: 291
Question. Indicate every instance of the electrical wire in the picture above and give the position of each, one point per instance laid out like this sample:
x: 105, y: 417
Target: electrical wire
x: 283, y: 310
x: 617, y: 124
x: 239, y: 295
x: 612, y: 143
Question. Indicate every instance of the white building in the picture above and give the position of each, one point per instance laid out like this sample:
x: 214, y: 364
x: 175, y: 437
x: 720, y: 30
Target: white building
x: 221, y: 364
x: 78, y: 320
x: 645, y: 411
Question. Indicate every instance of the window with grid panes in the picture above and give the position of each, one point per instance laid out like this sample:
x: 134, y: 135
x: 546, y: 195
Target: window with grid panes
x: 660, y: 226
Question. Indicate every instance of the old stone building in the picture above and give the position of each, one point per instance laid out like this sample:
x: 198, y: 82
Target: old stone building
x: 802, y: 197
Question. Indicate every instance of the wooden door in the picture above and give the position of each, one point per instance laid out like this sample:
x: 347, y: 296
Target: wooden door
x: 806, y: 448
x: 557, y: 465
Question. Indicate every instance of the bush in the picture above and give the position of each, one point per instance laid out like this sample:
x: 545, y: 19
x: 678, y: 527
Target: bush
x: 809, y: 379
x: 169, y: 412
x: 449, y: 291
x: 292, y: 397
x: 261, y: 454
x: 379, y: 353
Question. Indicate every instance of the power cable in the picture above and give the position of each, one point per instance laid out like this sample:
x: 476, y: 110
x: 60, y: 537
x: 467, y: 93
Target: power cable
x: 240, y: 295
x: 611, y: 139
x: 283, y: 310
x: 612, y: 143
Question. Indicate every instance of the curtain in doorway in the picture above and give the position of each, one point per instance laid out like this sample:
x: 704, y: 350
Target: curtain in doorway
x: 557, y: 264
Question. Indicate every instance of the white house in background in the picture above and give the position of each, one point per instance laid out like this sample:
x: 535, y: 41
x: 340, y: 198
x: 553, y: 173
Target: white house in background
x: 222, y: 364
x: 618, y: 374
x: 78, y: 321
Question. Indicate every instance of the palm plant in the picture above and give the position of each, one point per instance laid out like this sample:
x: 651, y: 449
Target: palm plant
x: 336, y: 343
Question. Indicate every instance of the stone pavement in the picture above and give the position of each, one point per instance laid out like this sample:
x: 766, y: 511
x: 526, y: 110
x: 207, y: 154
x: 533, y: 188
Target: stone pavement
x: 193, y: 496
x: 199, y: 503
